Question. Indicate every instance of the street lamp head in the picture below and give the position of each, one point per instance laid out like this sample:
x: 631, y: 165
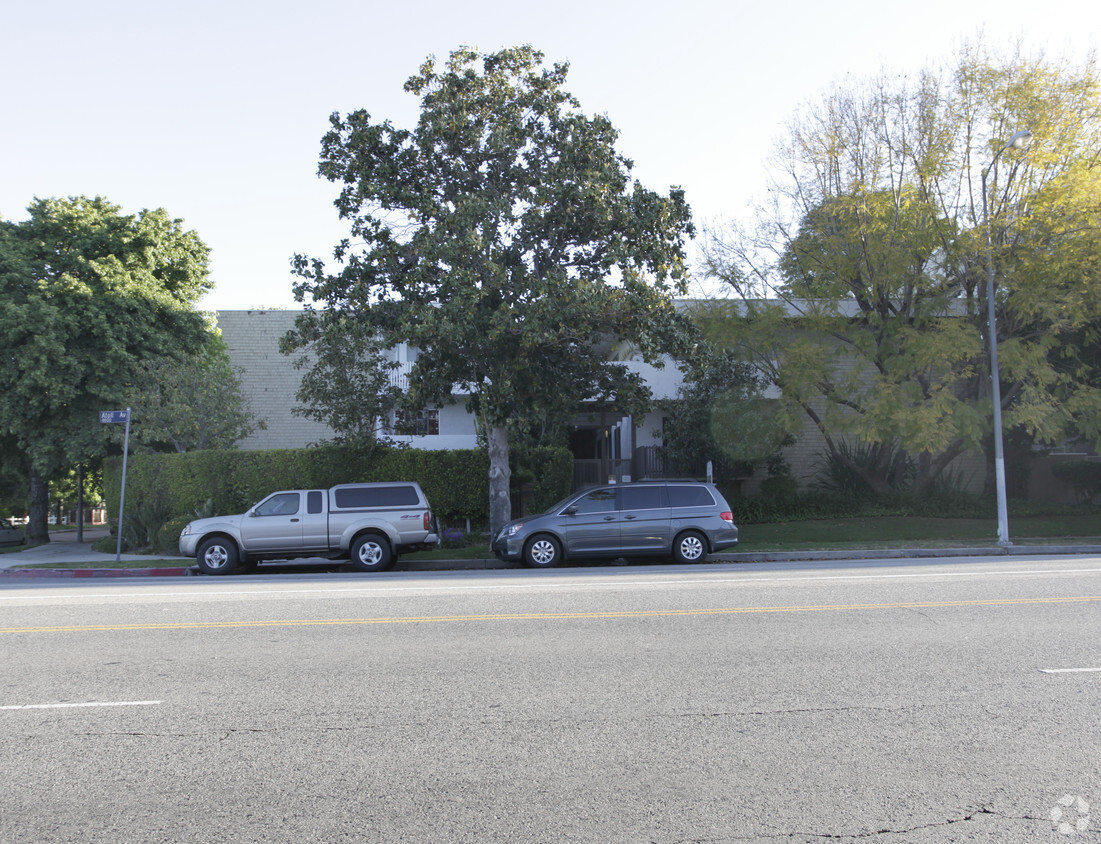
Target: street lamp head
x: 1020, y: 140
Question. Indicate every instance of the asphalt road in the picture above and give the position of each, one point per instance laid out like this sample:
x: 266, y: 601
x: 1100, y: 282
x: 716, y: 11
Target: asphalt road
x: 901, y: 701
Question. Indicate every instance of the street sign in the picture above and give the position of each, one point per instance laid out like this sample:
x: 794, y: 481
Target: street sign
x: 108, y: 416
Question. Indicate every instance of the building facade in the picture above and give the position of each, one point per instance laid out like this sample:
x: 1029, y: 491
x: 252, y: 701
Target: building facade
x: 604, y: 443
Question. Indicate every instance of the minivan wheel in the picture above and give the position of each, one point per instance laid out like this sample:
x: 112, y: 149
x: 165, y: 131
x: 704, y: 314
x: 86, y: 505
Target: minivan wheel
x: 542, y: 552
x: 690, y: 547
x: 217, y: 556
x: 371, y: 553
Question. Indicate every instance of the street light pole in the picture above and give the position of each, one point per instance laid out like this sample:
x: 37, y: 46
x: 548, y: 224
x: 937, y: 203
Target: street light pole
x: 1018, y: 141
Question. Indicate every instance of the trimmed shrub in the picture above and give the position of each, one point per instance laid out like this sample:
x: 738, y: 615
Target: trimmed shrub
x: 1083, y: 475
x: 160, y: 487
x: 552, y: 468
x: 168, y: 537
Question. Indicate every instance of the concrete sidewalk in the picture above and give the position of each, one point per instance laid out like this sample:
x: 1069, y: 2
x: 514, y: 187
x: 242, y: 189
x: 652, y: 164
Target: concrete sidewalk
x: 72, y: 558
x: 63, y: 549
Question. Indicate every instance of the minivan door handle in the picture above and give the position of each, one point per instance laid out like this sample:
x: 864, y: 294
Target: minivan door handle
x: 609, y: 518
x: 628, y: 518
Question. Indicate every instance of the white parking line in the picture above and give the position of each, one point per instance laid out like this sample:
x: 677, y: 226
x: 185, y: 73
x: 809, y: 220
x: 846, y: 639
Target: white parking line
x: 1069, y: 670
x: 80, y: 705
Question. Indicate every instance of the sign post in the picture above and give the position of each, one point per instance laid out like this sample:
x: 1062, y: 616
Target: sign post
x: 107, y: 417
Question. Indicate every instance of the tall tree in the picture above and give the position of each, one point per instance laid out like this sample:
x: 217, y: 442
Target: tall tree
x: 873, y: 250
x: 349, y: 382
x: 504, y: 238
x: 191, y: 403
x: 720, y: 415
x: 89, y: 294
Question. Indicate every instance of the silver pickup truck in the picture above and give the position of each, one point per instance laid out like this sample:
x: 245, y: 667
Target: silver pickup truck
x: 370, y: 524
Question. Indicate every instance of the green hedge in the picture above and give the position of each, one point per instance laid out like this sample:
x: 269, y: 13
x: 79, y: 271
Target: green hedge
x: 765, y: 509
x: 552, y: 475
x: 169, y: 486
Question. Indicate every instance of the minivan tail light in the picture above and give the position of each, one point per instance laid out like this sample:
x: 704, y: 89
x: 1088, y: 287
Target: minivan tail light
x: 727, y: 517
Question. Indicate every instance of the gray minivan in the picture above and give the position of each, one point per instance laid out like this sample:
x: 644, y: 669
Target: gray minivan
x: 682, y: 519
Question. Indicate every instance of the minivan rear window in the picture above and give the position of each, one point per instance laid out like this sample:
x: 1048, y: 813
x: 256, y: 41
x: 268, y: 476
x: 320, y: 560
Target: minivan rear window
x: 348, y: 498
x: 690, y: 496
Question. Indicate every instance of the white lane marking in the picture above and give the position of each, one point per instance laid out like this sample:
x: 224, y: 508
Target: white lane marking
x: 542, y: 583
x: 81, y: 705
x: 1069, y: 670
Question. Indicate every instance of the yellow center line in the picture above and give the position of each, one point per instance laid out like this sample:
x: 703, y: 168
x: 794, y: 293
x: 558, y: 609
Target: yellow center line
x: 543, y: 616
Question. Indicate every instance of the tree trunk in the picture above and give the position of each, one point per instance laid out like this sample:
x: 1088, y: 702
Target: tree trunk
x: 38, y: 528
x: 500, y: 501
x: 931, y: 468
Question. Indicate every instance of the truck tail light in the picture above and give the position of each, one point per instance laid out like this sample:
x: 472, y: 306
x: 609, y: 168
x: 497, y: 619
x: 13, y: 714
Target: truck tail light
x: 427, y: 520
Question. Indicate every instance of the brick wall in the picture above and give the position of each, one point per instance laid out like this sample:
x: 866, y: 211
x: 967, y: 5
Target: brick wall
x: 268, y: 378
x: 270, y: 382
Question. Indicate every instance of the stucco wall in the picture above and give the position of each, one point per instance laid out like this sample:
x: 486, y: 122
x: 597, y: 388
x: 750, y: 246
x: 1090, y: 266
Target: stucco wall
x: 807, y: 456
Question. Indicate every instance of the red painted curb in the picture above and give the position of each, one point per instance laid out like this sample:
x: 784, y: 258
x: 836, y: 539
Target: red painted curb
x: 82, y: 573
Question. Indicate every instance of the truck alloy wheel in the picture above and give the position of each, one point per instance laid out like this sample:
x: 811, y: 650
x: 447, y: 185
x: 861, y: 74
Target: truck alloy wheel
x: 371, y: 553
x: 217, y: 556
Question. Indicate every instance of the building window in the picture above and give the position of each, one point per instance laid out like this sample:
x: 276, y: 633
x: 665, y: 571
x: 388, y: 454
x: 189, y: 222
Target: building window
x: 424, y: 423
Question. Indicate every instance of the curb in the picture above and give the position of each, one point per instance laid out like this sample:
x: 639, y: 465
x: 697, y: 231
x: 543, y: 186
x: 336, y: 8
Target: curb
x: 29, y: 573
x: 903, y: 553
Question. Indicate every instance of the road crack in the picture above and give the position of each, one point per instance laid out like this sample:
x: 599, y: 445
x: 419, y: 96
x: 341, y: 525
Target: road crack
x: 806, y: 711
x: 861, y: 836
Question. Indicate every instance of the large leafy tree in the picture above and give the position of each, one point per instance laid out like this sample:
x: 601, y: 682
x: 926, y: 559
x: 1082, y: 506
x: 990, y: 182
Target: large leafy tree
x: 190, y: 403
x: 89, y: 295
x: 720, y: 415
x: 873, y: 250
x: 348, y: 381
x: 504, y: 238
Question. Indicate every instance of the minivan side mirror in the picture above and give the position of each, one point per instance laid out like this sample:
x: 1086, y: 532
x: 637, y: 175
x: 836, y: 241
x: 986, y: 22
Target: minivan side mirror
x: 570, y: 511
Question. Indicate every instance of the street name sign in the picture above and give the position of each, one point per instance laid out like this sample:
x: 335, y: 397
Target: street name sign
x: 106, y: 417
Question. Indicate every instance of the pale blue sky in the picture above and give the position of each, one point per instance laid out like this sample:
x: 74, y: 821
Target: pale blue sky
x: 214, y: 109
